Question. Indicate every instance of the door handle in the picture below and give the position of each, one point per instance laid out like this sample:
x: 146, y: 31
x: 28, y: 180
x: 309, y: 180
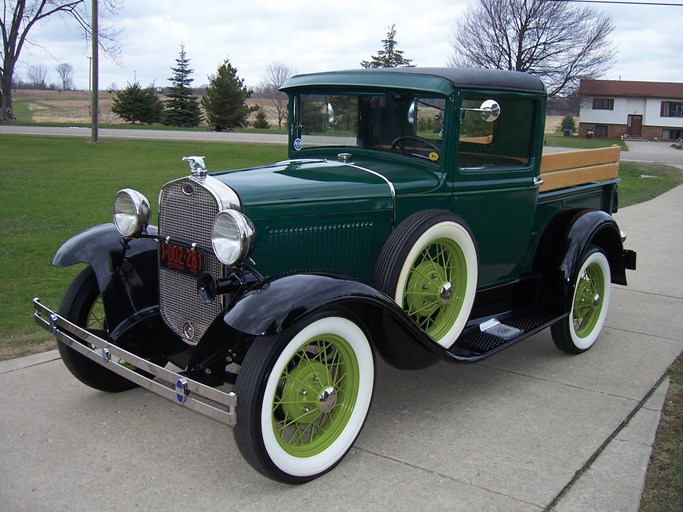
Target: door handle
x: 538, y: 181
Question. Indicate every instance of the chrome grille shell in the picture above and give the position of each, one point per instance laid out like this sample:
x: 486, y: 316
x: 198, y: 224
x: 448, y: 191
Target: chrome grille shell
x: 187, y: 208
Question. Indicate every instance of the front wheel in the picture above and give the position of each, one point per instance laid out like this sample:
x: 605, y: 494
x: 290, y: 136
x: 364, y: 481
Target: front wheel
x: 303, y: 397
x: 590, y: 302
x: 82, y: 305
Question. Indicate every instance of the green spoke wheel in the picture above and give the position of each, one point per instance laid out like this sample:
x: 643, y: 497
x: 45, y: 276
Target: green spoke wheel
x: 429, y: 266
x: 304, y: 397
x: 590, y: 302
x: 435, y: 289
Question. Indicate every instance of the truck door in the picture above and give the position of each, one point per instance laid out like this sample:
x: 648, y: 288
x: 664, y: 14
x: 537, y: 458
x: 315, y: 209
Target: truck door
x: 495, y: 180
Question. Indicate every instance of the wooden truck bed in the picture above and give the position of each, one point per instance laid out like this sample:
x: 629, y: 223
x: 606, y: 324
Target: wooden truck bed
x: 568, y: 168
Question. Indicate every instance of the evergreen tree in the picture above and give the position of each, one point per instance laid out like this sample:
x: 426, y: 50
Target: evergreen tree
x: 135, y: 104
x: 261, y: 120
x: 389, y: 56
x: 225, y: 99
x: 182, y: 107
x: 568, y: 123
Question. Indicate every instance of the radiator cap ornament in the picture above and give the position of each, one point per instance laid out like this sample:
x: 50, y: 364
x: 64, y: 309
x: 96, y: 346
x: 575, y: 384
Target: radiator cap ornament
x: 197, y: 165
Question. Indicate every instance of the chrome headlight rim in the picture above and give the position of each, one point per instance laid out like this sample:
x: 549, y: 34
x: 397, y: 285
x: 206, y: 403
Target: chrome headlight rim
x: 232, y: 236
x: 132, y: 212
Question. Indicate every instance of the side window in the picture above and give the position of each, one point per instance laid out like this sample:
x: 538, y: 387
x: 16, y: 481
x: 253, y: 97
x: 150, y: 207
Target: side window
x: 329, y: 115
x: 504, y: 143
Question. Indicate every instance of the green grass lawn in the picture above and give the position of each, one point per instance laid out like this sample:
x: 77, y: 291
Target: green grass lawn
x: 641, y: 182
x: 582, y: 143
x: 55, y: 187
x: 664, y: 483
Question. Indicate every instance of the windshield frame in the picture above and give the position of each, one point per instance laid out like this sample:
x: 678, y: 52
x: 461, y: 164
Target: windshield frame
x: 382, y: 117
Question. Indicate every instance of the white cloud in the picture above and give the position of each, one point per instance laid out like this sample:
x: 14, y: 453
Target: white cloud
x: 645, y: 39
x: 313, y: 35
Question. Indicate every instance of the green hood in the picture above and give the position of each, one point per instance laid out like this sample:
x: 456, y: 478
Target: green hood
x: 320, y: 181
x: 322, y: 215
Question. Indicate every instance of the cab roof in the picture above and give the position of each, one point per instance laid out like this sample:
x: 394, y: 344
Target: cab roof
x: 443, y: 81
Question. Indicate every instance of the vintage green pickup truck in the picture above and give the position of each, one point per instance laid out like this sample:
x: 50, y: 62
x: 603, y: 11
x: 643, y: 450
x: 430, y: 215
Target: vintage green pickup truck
x: 415, y: 219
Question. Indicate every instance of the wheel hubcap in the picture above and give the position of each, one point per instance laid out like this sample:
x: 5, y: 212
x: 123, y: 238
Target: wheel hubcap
x: 328, y: 399
x: 446, y: 294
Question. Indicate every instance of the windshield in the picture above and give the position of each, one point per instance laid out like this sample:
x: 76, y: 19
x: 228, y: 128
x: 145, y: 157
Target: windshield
x: 401, y: 123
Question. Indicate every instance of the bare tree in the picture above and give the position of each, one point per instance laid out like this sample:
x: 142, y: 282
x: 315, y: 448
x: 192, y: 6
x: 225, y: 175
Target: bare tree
x: 37, y: 76
x: 560, y: 42
x: 66, y: 75
x: 277, y: 73
x: 17, y: 19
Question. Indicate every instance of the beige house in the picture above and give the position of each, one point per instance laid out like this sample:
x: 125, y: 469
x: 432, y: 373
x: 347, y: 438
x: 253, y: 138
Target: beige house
x: 617, y: 109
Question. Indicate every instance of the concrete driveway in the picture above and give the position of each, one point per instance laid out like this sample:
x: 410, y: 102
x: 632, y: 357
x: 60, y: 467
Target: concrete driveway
x: 529, y: 429
x: 658, y: 152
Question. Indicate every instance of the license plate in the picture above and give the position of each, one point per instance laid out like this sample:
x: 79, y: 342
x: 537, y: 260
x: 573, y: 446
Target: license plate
x: 182, y: 259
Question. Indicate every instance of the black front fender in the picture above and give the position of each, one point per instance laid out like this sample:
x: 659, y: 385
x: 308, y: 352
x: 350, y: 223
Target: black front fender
x: 126, y: 269
x: 278, y: 303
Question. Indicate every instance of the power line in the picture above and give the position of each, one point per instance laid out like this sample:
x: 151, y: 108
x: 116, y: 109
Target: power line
x: 666, y: 4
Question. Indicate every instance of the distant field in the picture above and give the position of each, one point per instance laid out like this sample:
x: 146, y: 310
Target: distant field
x: 65, y: 107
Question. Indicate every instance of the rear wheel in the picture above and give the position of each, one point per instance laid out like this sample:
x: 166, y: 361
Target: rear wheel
x: 303, y: 398
x: 590, y: 302
x: 82, y: 305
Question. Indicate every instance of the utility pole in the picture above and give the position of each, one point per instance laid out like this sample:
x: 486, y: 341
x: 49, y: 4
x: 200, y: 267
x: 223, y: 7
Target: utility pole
x: 95, y: 84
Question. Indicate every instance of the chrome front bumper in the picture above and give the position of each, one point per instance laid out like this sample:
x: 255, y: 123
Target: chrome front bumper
x: 211, y: 402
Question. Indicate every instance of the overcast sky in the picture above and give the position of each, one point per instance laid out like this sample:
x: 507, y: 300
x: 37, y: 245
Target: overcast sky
x: 315, y: 35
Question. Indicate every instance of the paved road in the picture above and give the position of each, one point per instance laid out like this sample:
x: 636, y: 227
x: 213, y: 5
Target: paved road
x: 131, y: 133
x: 659, y: 152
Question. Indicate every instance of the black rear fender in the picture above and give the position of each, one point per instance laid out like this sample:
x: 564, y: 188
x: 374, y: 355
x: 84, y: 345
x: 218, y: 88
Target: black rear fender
x: 565, y: 241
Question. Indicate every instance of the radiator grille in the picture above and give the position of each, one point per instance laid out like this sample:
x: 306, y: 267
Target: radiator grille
x: 186, y: 213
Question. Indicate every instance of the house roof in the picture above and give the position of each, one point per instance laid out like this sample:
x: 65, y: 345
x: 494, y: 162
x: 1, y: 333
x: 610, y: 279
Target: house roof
x: 667, y: 90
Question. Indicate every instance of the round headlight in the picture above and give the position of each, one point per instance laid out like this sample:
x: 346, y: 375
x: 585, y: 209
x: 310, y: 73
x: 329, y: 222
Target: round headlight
x: 232, y: 236
x: 131, y: 212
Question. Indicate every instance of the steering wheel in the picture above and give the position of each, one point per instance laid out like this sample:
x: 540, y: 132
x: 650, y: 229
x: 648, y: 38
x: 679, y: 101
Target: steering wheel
x: 399, y: 143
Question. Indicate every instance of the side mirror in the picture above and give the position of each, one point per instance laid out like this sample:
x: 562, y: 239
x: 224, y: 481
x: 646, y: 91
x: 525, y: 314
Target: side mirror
x: 490, y: 110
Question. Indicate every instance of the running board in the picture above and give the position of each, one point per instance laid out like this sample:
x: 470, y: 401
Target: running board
x: 492, y: 335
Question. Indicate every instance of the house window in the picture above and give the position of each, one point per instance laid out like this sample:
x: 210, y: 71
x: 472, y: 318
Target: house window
x: 603, y: 103
x: 601, y: 130
x: 671, y: 134
x: 672, y: 109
